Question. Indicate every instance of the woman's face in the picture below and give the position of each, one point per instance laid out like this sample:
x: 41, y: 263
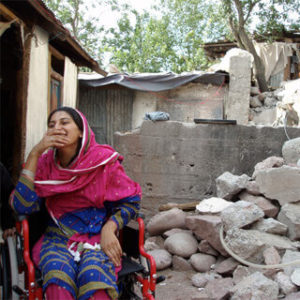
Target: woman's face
x: 62, y: 124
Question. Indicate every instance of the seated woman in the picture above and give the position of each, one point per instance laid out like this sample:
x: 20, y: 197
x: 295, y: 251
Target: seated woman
x: 89, y: 198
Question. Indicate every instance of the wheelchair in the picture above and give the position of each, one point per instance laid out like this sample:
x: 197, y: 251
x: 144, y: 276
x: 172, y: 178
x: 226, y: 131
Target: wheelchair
x: 137, y: 278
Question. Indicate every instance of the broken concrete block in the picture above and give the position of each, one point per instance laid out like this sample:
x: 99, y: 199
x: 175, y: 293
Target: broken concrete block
x: 245, y: 244
x: 227, y: 266
x: 270, y: 225
x: 295, y: 277
x: 270, y: 162
x: 219, y: 289
x: 255, y: 102
x: 271, y: 256
x: 240, y: 214
x: 252, y: 188
x: 285, y: 284
x: 212, y: 205
x: 163, y: 258
x: 293, y: 296
x: 206, y: 248
x: 255, y: 286
x: 291, y: 151
x: 181, y: 244
x: 269, y: 209
x: 163, y: 221
x: 281, y: 184
x: 240, y: 273
x: 228, y: 185
x: 250, y: 244
x: 202, y: 262
x: 290, y: 216
x: 289, y: 257
x: 207, y: 228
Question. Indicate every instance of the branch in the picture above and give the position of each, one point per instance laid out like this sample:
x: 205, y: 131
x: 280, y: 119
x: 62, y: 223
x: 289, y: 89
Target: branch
x: 251, y: 6
x: 239, y: 8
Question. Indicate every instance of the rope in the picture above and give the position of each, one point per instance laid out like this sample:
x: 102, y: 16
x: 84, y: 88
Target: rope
x: 250, y: 264
x: 284, y: 125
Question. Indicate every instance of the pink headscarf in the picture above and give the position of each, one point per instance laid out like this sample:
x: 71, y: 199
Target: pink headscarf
x: 94, y: 176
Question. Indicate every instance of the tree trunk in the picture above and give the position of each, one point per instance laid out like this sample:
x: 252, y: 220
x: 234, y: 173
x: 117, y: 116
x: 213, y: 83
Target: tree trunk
x: 259, y: 67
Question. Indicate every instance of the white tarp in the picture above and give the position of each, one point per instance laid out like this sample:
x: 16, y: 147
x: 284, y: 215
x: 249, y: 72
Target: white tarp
x: 275, y: 56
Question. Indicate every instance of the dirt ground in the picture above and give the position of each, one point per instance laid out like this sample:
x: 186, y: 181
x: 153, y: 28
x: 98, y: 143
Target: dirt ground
x: 177, y: 286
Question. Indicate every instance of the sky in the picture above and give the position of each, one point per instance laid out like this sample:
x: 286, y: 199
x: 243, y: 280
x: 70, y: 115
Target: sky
x: 108, y: 18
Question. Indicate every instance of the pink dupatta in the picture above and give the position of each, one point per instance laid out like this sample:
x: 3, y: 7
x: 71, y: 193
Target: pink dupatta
x: 94, y: 176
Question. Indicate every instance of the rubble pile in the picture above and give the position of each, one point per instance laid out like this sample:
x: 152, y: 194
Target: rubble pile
x: 244, y: 243
x: 280, y: 107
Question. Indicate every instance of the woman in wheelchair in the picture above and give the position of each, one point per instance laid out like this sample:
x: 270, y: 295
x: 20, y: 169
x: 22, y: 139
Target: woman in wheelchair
x: 89, y: 198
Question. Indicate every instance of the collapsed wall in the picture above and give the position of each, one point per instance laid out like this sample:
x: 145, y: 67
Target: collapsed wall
x: 178, y: 162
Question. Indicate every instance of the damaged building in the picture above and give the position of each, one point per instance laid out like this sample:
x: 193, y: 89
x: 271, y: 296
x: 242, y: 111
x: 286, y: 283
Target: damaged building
x: 39, y: 66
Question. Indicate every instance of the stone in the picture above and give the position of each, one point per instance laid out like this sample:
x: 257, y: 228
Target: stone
x: 252, y: 188
x: 207, y: 228
x: 163, y: 258
x: 255, y: 286
x: 163, y: 221
x: 293, y: 296
x: 270, y: 162
x: 206, y: 248
x: 181, y: 264
x: 269, y: 209
x: 290, y: 257
x: 240, y: 273
x: 254, y: 90
x: 202, y: 262
x: 285, y: 284
x: 270, y: 225
x: 295, y: 277
x: 212, y: 205
x: 227, y: 266
x: 290, y: 216
x: 168, y: 233
x: 281, y: 184
x: 219, y: 289
x: 201, y: 279
x: 154, y: 242
x: 261, y: 97
x: 181, y: 244
x: 291, y: 151
x: 228, y: 185
x: 240, y: 214
x: 255, y: 102
x: 271, y: 256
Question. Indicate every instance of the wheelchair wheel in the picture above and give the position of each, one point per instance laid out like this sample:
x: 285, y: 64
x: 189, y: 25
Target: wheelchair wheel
x: 14, y: 271
x: 5, y: 273
x: 10, y: 274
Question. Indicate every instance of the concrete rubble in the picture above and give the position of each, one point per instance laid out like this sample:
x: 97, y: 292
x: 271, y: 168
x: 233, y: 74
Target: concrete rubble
x: 260, y: 217
x: 279, y: 108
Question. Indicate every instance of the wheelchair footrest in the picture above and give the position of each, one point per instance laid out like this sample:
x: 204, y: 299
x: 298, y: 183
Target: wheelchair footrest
x: 129, y: 266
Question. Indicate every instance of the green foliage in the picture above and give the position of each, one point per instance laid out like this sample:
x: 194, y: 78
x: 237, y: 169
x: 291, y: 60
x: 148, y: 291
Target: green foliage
x: 73, y: 14
x: 171, y: 37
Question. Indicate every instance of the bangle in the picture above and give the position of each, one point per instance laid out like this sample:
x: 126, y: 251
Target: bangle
x: 28, y: 173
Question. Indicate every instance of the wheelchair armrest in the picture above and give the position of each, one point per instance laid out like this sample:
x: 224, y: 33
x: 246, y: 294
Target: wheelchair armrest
x: 23, y: 226
x: 143, y: 253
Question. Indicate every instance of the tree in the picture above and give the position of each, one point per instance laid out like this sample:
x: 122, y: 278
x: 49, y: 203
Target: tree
x: 158, y: 42
x: 85, y: 30
x: 272, y: 18
x: 244, y: 17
